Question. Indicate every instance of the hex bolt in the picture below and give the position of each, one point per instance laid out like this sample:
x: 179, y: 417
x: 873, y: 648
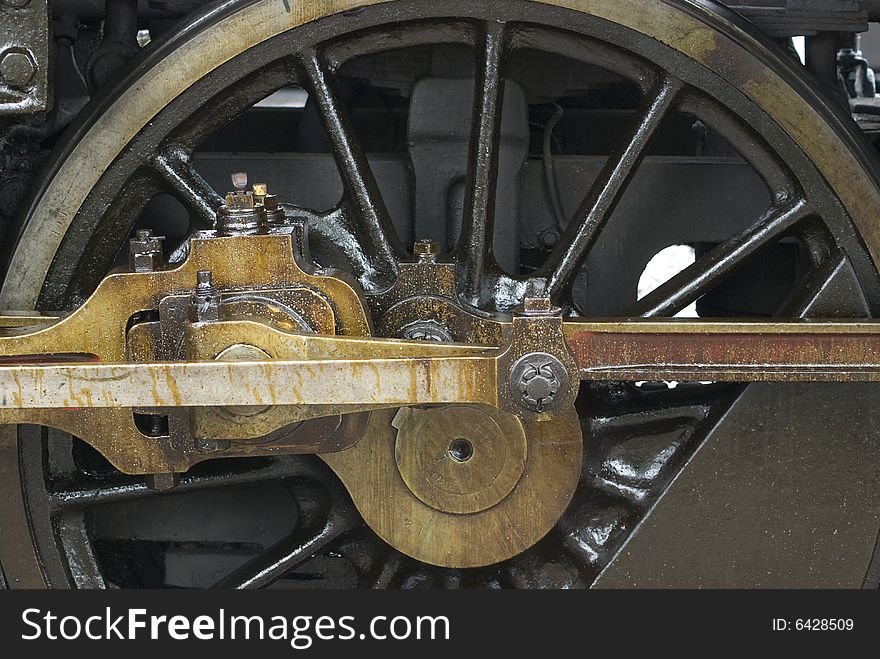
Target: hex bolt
x: 145, y: 251
x: 538, y: 381
x: 426, y: 250
x: 17, y: 68
x: 206, y: 298
x: 537, y: 306
x: 243, y: 213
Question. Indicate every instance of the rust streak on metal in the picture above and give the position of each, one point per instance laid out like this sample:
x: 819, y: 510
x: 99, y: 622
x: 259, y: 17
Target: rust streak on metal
x: 771, y: 351
x: 363, y: 381
x: 172, y: 387
x: 157, y: 398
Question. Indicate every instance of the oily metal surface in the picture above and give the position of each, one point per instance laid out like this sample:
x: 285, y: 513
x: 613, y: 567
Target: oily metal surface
x: 24, y: 57
x: 106, y: 138
x: 11, y: 320
x: 785, y: 493
x: 426, y: 290
x: 434, y: 535
x: 424, y: 524
x: 22, y: 567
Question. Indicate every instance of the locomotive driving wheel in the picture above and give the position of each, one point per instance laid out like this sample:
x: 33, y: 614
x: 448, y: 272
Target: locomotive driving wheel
x: 644, y: 483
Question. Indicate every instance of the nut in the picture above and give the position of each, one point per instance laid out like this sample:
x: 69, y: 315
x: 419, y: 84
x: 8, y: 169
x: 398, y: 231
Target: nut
x: 17, y: 68
x: 243, y: 213
x: 275, y: 215
x: 537, y: 306
x: 426, y: 249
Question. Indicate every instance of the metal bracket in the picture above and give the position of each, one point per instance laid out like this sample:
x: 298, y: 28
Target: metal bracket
x: 24, y: 56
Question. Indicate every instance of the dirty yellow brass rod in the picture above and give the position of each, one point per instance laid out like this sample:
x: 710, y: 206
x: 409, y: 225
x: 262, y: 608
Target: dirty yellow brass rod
x: 276, y: 382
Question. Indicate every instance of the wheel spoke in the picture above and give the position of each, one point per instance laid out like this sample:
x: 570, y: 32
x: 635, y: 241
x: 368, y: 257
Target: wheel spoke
x: 362, y: 190
x: 83, y: 568
x: 177, y: 171
x: 124, y: 488
x: 801, y: 302
x: 592, y: 215
x: 744, y: 139
x: 698, y: 278
x: 386, y: 573
x: 289, y: 553
x: 475, y: 243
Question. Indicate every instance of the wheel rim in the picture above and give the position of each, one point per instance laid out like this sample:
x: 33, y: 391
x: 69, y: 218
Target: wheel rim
x: 65, y: 285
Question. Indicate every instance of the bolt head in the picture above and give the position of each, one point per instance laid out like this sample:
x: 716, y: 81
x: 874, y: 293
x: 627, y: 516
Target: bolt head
x: 426, y: 249
x: 538, y: 381
x: 206, y: 309
x: 17, y: 68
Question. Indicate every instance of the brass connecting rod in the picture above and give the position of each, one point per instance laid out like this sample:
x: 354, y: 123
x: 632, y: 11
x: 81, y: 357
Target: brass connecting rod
x: 368, y: 382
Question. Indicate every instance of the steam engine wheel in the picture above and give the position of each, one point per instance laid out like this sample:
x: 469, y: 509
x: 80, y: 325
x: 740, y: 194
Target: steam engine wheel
x: 699, y: 484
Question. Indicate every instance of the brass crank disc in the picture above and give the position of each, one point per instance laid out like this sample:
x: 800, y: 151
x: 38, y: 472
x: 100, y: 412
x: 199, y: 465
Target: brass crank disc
x: 462, y: 485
